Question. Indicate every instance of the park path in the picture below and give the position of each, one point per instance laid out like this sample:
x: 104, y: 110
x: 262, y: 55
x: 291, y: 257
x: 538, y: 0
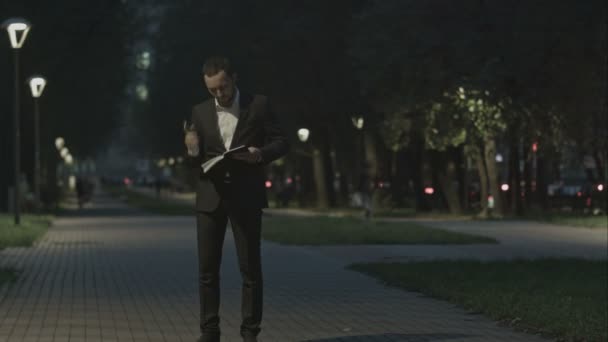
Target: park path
x: 518, y: 239
x: 110, y: 273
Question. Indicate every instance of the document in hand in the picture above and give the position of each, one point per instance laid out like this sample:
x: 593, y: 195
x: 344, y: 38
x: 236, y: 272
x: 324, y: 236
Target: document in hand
x: 211, y: 162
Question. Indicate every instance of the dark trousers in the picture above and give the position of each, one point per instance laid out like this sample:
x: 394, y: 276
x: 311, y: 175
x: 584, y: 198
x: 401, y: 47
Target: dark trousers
x: 211, y: 229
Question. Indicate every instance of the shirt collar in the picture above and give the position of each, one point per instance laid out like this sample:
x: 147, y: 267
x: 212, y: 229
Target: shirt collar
x: 234, y: 105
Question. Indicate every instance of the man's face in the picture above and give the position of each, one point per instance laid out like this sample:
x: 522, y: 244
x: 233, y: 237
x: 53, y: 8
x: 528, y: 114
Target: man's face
x: 221, y: 86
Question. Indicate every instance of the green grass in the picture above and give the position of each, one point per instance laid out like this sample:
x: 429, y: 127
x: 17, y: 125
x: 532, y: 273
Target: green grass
x: 352, y: 231
x: 563, y: 298
x: 585, y: 221
x: 390, y: 213
x: 150, y: 204
x: 31, y: 228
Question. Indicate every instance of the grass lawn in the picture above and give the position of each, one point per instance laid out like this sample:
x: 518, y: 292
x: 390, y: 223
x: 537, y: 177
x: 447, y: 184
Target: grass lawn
x: 150, y: 204
x: 352, y: 231
x: 390, y: 213
x: 560, y: 298
x: 31, y: 228
x: 586, y: 221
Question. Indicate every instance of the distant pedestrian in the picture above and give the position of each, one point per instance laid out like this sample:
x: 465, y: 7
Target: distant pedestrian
x: 81, y: 192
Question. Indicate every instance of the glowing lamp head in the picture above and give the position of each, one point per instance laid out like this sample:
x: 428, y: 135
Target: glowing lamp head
x: 69, y: 159
x: 429, y: 190
x: 17, y: 29
x: 358, y: 122
x: 37, y: 84
x: 59, y: 143
x: 64, y: 152
x: 600, y: 187
x: 268, y: 184
x: 504, y: 187
x: 303, y: 134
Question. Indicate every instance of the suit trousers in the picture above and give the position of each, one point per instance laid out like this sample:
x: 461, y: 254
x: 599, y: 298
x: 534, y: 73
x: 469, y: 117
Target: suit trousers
x: 246, y: 226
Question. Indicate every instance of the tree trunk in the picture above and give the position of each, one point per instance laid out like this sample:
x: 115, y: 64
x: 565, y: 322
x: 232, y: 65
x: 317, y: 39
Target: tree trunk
x: 396, y: 182
x: 542, y: 177
x: 600, y: 166
x: 465, y: 183
x: 448, y: 182
x: 320, y: 183
x: 330, y: 175
x: 527, y: 197
x: 416, y: 163
x: 515, y: 177
x: 494, y: 187
x: 483, y: 183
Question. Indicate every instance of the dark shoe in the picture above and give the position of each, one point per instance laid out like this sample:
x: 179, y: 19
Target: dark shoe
x: 209, y: 338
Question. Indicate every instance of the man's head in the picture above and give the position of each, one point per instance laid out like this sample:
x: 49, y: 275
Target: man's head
x: 220, y: 79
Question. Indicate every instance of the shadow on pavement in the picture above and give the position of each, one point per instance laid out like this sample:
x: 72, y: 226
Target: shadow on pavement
x: 393, y: 337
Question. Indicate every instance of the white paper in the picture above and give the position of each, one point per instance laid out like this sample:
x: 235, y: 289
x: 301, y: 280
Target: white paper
x: 211, y: 162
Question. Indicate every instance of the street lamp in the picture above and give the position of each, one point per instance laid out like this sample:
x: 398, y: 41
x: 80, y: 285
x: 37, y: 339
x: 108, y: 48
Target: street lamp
x: 64, y: 152
x: 358, y: 122
x: 303, y: 134
x: 59, y: 143
x: 37, y: 84
x: 17, y: 30
x: 69, y: 160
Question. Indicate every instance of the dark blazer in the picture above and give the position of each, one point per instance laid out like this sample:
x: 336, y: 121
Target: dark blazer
x: 257, y: 126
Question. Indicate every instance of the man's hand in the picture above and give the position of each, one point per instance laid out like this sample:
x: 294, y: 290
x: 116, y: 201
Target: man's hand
x: 254, y: 155
x: 191, y: 141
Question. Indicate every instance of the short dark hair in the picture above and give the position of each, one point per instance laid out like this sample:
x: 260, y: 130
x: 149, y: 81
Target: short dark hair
x: 214, y: 64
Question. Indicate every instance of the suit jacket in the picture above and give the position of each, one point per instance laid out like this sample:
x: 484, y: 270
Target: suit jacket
x: 257, y: 126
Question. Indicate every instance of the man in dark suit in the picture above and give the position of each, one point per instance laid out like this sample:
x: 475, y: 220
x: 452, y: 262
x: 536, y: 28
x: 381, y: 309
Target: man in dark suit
x: 232, y: 190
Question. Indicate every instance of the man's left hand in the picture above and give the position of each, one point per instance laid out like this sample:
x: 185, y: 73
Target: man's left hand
x: 254, y: 155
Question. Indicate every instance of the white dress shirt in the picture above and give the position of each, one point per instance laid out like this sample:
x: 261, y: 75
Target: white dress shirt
x: 227, y: 118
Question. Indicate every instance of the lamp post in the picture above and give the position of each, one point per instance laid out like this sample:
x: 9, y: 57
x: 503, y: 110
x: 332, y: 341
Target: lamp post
x: 358, y: 123
x: 17, y: 30
x: 303, y: 134
x: 37, y: 84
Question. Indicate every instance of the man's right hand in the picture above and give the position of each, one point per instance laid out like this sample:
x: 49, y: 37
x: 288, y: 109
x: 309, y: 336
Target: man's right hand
x: 191, y: 141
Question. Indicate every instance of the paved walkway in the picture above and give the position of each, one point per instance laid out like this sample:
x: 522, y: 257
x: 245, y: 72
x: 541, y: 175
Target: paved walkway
x: 114, y: 274
x: 517, y: 239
